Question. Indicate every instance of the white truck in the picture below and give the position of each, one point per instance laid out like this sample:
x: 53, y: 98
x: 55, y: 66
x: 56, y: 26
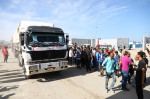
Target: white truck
x: 40, y: 47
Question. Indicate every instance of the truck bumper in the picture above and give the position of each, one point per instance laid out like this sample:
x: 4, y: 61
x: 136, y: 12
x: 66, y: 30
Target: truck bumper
x: 47, y: 67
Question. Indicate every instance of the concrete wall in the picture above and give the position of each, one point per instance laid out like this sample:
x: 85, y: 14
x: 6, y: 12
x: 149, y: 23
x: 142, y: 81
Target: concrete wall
x: 115, y: 43
x: 93, y: 42
x: 121, y: 42
x: 146, y: 40
x: 81, y: 42
x: 112, y: 42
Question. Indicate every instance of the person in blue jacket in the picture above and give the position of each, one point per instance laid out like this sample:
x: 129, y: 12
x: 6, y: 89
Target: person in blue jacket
x: 97, y: 59
x: 101, y: 58
x: 78, y: 58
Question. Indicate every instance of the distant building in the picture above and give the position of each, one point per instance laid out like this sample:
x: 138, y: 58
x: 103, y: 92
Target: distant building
x: 93, y: 42
x: 81, y: 42
x: 135, y: 44
x: 120, y: 43
x: 146, y: 42
x: 103, y: 43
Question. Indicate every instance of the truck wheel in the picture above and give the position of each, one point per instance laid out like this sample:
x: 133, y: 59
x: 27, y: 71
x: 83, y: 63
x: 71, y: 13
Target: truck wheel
x: 24, y: 71
x: 27, y: 77
x: 58, y: 72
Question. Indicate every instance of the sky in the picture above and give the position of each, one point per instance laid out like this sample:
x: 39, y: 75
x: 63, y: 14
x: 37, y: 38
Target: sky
x: 91, y: 19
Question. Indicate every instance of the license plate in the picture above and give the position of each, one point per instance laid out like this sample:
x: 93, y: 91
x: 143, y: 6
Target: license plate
x: 33, y: 68
x: 65, y: 63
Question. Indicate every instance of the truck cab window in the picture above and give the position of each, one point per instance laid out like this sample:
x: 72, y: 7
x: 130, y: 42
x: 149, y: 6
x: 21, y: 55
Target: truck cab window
x: 30, y: 39
x: 47, y: 39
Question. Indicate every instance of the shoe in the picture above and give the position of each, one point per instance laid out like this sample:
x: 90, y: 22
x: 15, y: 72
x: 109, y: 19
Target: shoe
x: 126, y: 89
x: 129, y: 82
x: 112, y: 90
x: 121, y: 88
x: 134, y: 85
x: 106, y: 90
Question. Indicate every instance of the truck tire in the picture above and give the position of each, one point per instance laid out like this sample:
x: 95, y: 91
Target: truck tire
x: 24, y: 71
x: 27, y: 77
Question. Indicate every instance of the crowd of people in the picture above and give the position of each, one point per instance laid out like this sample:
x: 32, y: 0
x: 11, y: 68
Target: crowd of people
x: 114, y: 63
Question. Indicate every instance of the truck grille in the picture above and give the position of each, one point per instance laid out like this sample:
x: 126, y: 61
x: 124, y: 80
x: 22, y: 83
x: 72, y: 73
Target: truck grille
x: 52, y: 54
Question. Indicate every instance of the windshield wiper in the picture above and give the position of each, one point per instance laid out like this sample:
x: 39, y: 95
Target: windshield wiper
x: 36, y: 44
x: 41, y: 44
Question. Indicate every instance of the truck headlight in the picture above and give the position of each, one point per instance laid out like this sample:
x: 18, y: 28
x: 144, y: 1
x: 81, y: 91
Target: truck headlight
x: 65, y: 64
x: 35, y: 67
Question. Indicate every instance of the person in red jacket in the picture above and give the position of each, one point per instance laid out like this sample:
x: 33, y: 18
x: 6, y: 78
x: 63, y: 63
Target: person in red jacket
x: 5, y: 53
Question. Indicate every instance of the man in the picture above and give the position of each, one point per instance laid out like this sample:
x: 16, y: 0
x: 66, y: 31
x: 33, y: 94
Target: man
x: 140, y: 76
x: 131, y: 71
x: 74, y: 54
x: 101, y: 59
x: 97, y: 58
x: 120, y: 53
x: 88, y: 57
x: 82, y: 58
x: 78, y: 58
x: 93, y: 55
x: 70, y: 56
x: 107, y: 54
x: 124, y: 47
x: 110, y: 63
x: 125, y: 61
x: 146, y: 61
x: 5, y: 53
x: 117, y: 57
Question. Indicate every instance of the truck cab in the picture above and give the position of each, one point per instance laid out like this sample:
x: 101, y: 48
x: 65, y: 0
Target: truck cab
x: 42, y: 49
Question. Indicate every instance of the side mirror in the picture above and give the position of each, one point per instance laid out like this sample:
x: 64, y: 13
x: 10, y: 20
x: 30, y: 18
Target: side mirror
x: 22, y: 38
x: 67, y: 39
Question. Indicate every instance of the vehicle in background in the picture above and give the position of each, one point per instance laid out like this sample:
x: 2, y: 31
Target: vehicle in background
x: 40, y: 47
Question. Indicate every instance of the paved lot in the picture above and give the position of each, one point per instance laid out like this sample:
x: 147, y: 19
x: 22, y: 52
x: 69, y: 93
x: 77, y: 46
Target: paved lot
x: 72, y: 83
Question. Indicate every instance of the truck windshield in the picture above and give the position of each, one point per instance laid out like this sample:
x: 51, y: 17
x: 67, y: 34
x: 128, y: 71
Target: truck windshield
x: 46, y: 39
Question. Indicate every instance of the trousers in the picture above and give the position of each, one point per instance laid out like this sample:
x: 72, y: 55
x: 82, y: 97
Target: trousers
x: 108, y: 76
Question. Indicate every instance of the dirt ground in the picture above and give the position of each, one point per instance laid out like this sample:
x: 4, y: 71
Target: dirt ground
x: 72, y: 83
